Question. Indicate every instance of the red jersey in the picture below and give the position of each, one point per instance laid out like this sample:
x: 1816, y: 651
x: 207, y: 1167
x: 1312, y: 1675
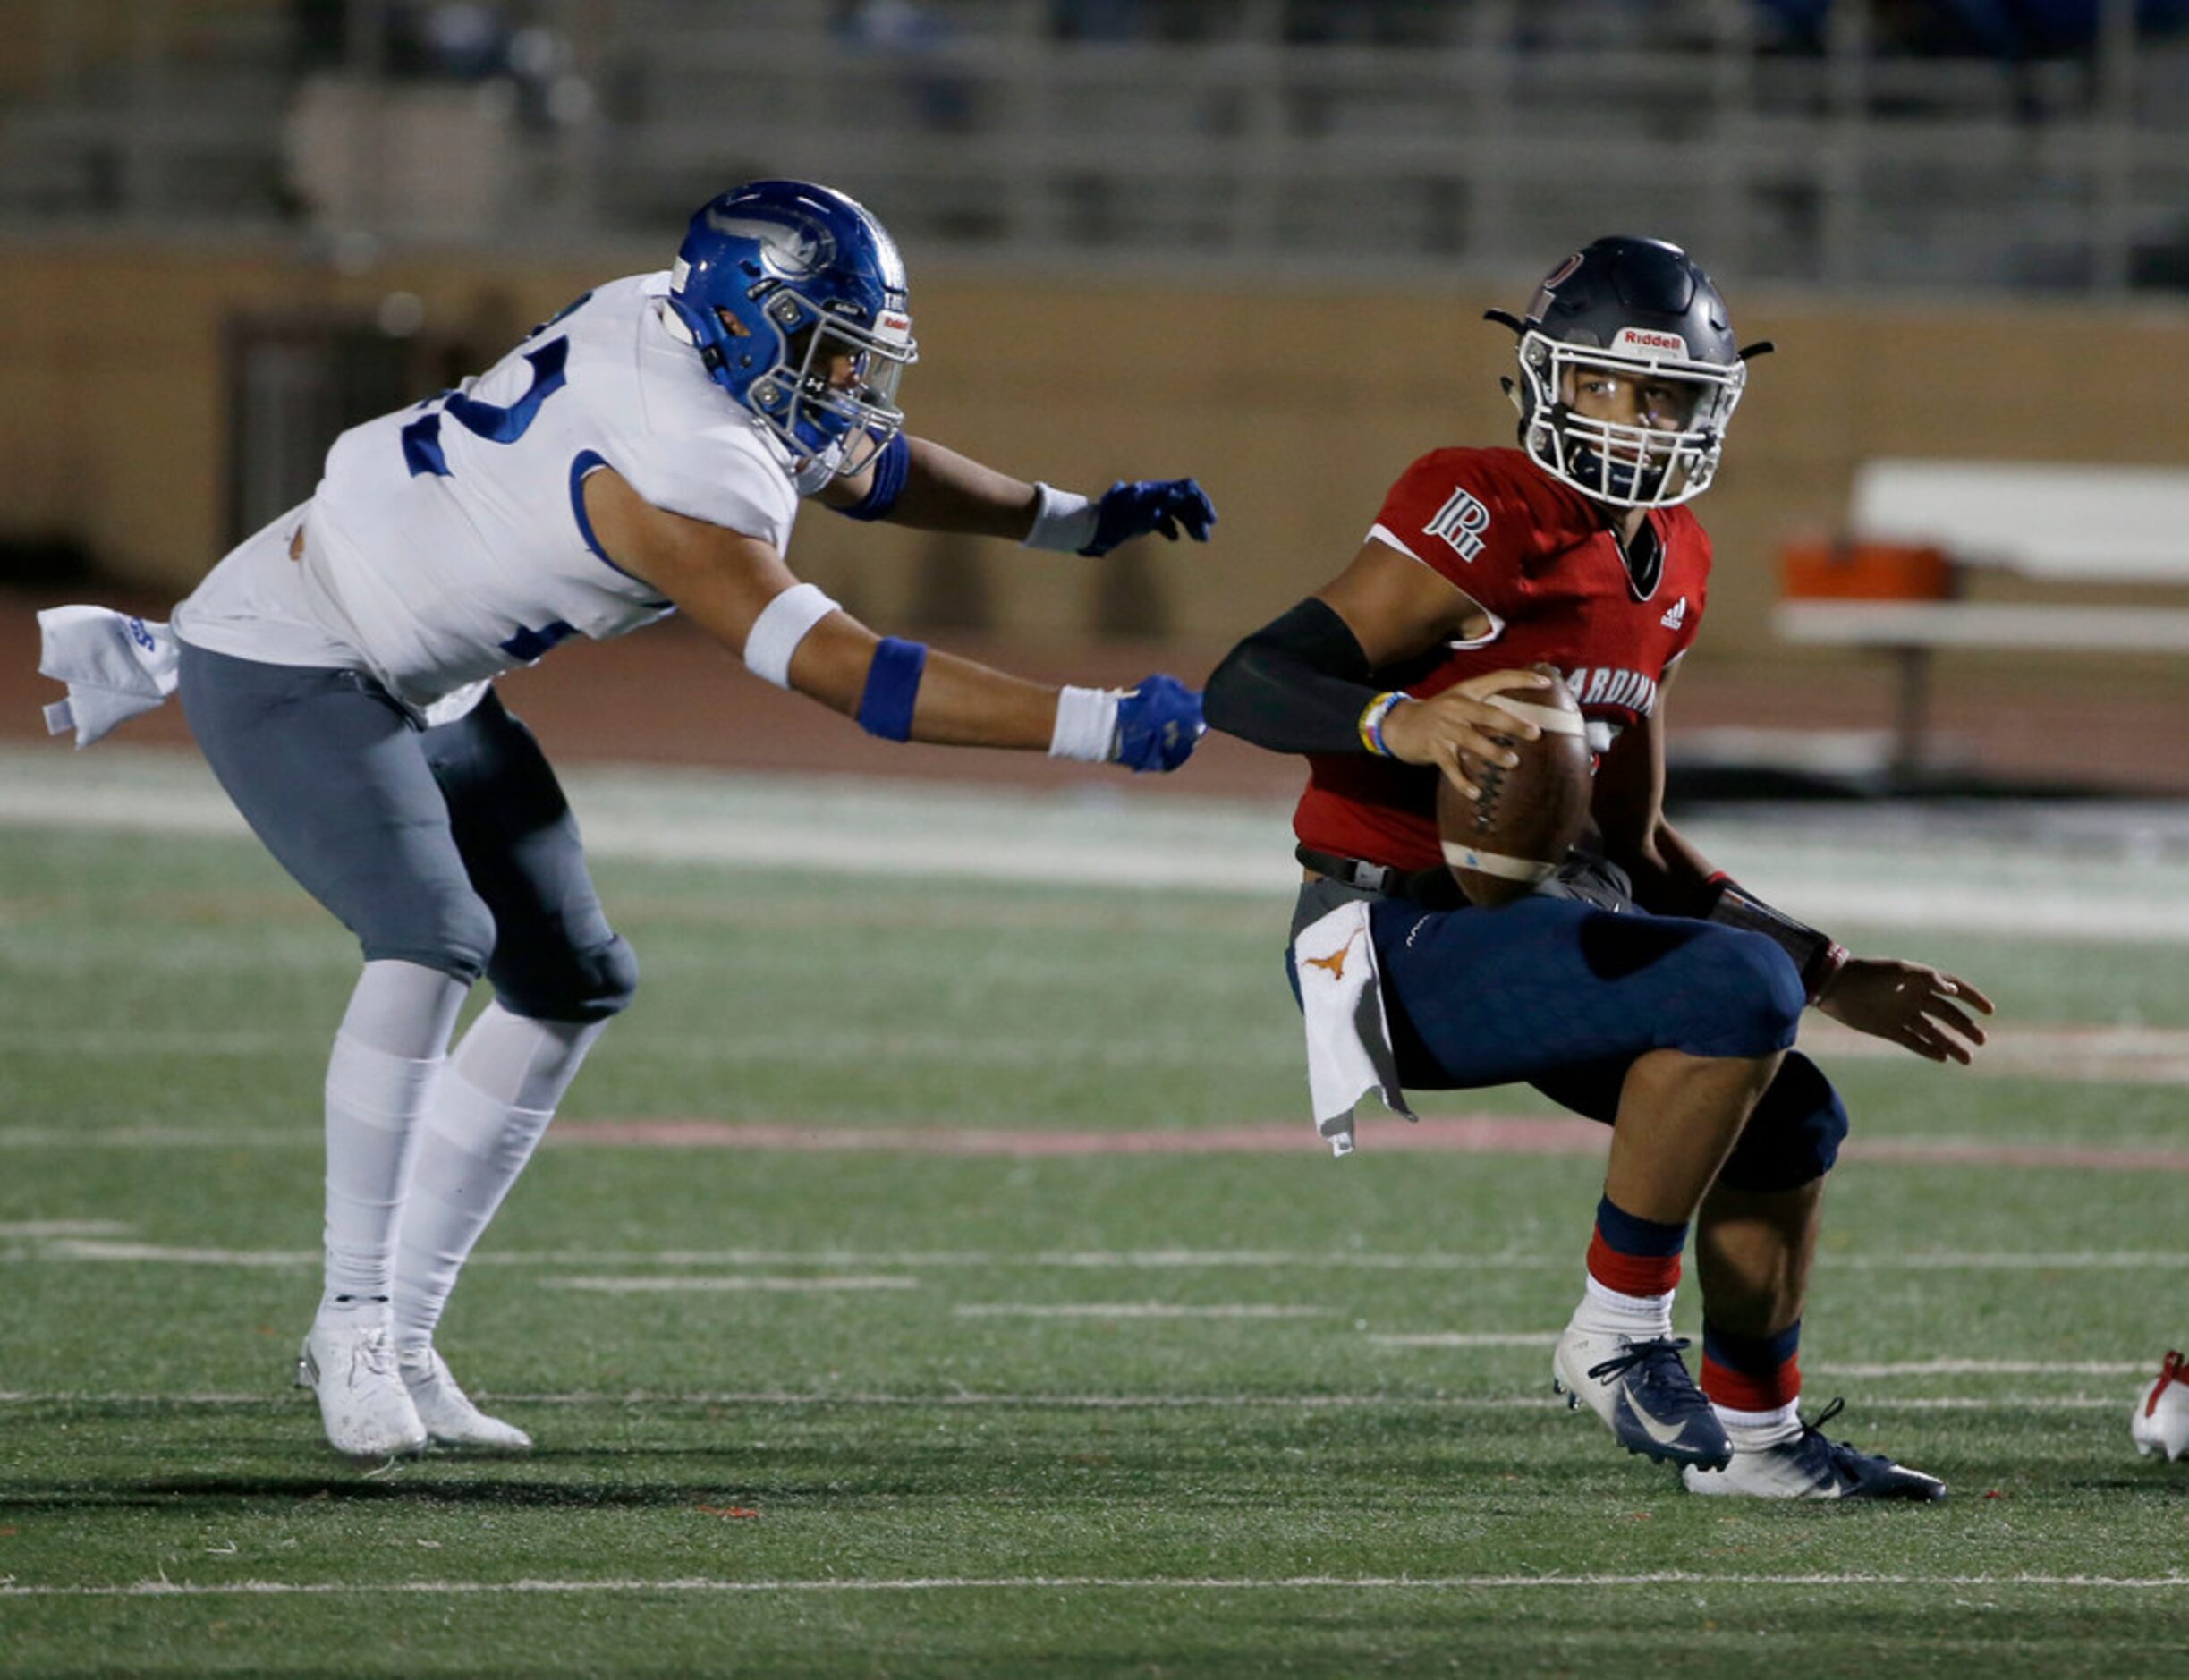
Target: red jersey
x: 1538, y: 558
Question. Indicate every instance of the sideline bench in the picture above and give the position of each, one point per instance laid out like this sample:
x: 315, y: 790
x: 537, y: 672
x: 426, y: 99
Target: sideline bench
x: 1917, y: 531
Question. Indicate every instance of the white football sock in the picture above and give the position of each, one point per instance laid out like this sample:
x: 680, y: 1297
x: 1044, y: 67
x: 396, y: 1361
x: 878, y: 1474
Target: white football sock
x: 497, y: 1098
x: 379, y: 1085
x: 1752, y: 1431
x: 1603, y: 1309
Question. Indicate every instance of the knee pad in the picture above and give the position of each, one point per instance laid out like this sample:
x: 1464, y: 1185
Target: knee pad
x: 1749, y: 995
x: 1794, y: 1134
x: 449, y: 931
x: 589, y: 984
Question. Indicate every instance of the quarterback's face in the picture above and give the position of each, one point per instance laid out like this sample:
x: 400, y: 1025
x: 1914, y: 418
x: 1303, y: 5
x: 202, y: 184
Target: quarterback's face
x: 1626, y: 396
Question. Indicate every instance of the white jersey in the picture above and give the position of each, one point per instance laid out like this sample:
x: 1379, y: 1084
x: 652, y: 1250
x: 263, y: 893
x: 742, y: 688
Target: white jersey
x: 448, y: 542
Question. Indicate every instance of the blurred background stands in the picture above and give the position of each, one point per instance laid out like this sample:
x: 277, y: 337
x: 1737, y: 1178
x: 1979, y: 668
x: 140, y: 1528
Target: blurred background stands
x: 2010, y: 144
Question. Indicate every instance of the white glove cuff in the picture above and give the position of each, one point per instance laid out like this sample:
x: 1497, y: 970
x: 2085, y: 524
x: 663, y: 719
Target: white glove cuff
x: 1064, y: 521
x: 1086, y: 724
x: 782, y: 626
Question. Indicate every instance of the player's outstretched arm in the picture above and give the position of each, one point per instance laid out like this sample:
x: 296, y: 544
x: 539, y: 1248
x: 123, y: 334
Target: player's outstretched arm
x: 738, y: 589
x: 919, y: 483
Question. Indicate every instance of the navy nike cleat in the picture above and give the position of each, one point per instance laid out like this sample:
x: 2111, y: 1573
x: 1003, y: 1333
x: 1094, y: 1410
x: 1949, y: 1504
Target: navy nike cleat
x: 1642, y: 1391
x: 1811, y: 1467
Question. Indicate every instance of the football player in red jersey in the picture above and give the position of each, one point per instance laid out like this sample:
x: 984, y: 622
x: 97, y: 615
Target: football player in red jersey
x: 1640, y: 986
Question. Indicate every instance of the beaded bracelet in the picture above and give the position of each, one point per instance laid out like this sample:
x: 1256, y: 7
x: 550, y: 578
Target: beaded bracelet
x: 1371, y: 721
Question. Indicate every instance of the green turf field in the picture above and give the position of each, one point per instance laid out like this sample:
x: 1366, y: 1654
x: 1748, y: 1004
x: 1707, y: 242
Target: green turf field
x: 903, y: 1411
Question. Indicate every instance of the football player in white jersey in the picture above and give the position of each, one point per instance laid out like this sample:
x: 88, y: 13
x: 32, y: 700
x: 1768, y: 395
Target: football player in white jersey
x: 644, y: 452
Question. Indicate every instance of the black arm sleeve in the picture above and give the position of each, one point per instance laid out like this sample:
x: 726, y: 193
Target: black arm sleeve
x: 1297, y: 684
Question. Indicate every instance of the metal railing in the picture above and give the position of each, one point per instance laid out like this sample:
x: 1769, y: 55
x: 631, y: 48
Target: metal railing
x: 1378, y: 140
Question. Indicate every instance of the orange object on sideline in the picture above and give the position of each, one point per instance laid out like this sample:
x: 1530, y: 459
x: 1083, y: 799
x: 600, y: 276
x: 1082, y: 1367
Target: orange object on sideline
x: 1864, y: 571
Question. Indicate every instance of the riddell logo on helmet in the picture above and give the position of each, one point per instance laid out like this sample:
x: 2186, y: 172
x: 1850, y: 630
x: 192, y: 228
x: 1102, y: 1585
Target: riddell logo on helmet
x: 1641, y: 338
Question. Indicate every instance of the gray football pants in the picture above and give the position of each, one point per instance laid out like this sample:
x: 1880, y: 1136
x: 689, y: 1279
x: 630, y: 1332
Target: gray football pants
x: 453, y: 848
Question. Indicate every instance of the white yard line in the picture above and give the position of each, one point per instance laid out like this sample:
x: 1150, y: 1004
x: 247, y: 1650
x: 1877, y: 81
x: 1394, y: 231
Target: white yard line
x: 725, y: 1286
x: 863, y: 1400
x: 1995, y: 1368
x: 99, y: 1250
x: 1902, y: 880
x: 1138, y: 1310
x: 306, y: 1136
x: 92, y: 1249
x: 164, y: 1587
x: 1873, y: 1369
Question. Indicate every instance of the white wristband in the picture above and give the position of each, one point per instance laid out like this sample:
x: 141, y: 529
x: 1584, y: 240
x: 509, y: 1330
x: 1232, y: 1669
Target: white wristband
x: 1086, y: 724
x: 1064, y: 521
x: 782, y: 626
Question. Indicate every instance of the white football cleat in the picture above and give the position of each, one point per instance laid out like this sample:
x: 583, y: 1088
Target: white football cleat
x: 1641, y: 1388
x: 1811, y: 1466
x: 363, y: 1404
x: 2160, y: 1421
x: 450, y: 1418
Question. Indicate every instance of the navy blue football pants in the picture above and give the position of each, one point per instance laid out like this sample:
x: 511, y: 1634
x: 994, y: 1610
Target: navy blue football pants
x: 1562, y: 995
x: 451, y: 847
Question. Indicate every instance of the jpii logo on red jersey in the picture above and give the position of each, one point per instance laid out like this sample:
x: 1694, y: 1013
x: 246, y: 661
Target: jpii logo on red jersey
x: 1461, y: 521
x: 1654, y: 343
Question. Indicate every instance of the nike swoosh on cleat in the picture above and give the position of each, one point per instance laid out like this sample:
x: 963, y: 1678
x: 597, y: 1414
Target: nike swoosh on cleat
x: 1662, y: 1434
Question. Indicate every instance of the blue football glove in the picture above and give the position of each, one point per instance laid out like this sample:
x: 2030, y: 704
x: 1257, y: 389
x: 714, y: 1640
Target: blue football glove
x: 1133, y: 508
x: 1159, y: 722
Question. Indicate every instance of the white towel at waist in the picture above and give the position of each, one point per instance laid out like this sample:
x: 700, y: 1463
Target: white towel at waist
x: 115, y: 668
x: 1348, y: 1038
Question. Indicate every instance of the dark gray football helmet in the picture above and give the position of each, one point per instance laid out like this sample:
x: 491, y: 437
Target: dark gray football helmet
x: 1635, y: 309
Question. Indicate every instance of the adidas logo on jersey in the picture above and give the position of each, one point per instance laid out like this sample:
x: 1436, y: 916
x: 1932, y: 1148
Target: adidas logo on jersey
x: 1675, y: 615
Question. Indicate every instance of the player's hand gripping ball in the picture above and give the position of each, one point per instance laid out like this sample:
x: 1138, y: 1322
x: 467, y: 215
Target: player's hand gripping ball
x: 1508, y: 842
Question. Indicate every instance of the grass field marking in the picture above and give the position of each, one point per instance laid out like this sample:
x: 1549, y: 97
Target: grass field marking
x: 161, y: 1138
x: 1441, y: 1134
x: 1947, y: 1259
x: 163, y: 1588
x: 1470, y: 1338
x: 2076, y: 1054
x: 1139, y: 1310
x: 63, y: 1227
x: 727, y: 1285
x: 1873, y: 1369
x: 1989, y: 1368
x: 275, y: 1399
x: 104, y: 1250
x: 161, y: 1254
x: 1209, y: 847
x: 1461, y: 1134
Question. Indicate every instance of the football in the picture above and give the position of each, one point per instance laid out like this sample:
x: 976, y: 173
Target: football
x: 1502, y: 846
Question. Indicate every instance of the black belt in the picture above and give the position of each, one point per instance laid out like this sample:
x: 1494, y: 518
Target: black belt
x: 1433, y: 888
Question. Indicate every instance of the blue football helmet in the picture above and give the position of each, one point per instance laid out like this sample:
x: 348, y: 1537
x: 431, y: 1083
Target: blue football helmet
x: 795, y: 295
x: 1641, y: 311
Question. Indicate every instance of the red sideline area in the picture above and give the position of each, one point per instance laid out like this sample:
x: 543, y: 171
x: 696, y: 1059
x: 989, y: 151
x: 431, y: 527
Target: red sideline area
x: 1466, y: 1134
x: 670, y: 695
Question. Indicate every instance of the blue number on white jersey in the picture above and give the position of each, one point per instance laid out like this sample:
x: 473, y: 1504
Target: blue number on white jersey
x: 421, y: 438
